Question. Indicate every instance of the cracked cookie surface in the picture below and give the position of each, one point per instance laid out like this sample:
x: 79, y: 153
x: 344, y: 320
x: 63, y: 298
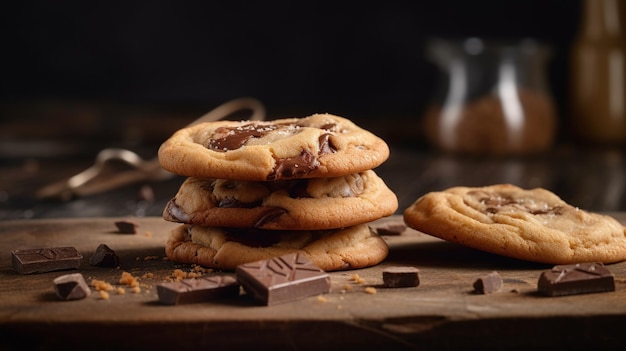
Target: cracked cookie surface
x: 331, y: 250
x: 321, y: 145
x: 304, y: 204
x: 534, y: 225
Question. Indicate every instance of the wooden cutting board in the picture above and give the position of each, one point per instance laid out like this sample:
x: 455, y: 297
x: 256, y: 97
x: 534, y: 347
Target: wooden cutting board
x: 443, y: 312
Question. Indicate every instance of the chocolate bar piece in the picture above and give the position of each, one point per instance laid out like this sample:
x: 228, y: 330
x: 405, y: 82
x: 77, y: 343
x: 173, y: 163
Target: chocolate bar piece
x: 401, y: 277
x: 198, y: 289
x: 71, y: 287
x: 580, y: 278
x: 488, y: 283
x: 105, y: 257
x: 45, y: 259
x: 282, y: 279
x: 126, y: 227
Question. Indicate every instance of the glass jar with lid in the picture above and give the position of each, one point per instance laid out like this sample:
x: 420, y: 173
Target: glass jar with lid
x: 493, y: 97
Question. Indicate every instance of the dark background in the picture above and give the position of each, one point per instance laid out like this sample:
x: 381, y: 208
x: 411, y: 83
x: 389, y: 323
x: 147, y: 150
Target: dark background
x: 80, y: 76
x: 363, y: 59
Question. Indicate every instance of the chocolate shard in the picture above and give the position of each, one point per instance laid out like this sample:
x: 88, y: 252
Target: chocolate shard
x: 282, y: 279
x: 198, y: 290
x: 71, y: 287
x: 488, y: 283
x: 579, y: 278
x: 126, y: 227
x: 105, y: 257
x: 45, y: 259
x: 401, y: 277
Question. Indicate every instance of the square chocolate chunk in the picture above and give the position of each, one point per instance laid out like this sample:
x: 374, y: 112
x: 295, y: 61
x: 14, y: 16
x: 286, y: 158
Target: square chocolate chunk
x: 580, y: 278
x: 401, y: 277
x: 198, y: 290
x: 283, y: 279
x: 488, y: 283
x: 126, y: 227
x: 45, y: 259
x: 71, y: 287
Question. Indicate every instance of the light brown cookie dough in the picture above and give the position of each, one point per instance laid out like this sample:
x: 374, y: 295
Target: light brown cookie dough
x: 533, y: 225
x: 304, y: 204
x: 332, y: 250
x: 321, y: 145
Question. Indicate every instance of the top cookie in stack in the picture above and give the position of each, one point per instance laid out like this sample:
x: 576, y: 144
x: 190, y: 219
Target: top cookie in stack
x: 305, y: 177
x: 321, y: 145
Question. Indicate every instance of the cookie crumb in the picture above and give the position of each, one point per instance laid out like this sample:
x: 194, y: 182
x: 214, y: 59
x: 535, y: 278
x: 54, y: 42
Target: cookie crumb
x: 104, y: 295
x: 120, y: 291
x: 355, y: 278
x: 370, y: 290
x: 128, y: 279
x: 101, y: 285
x: 321, y: 298
x: 179, y: 274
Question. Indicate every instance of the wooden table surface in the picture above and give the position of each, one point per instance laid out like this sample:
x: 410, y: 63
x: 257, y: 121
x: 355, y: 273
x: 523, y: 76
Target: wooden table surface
x: 443, y: 312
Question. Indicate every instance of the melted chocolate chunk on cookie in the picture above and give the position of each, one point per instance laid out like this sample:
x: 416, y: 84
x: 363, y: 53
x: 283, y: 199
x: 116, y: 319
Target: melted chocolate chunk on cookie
x: 231, y: 202
x: 326, y: 146
x: 331, y: 127
x: 294, y: 167
x: 303, y: 164
x: 232, y: 138
x: 496, y: 203
x: 298, y: 189
x: 173, y: 212
x: 272, y: 214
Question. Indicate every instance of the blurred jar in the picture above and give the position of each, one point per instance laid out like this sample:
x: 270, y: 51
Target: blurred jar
x: 493, y: 98
x: 598, y: 74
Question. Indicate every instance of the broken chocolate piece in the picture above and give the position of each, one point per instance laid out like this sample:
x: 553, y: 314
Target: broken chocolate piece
x: 488, y: 283
x: 198, y: 290
x: 401, y: 277
x: 579, y: 278
x: 283, y: 279
x: 71, y: 287
x: 395, y: 228
x: 105, y: 257
x: 126, y: 227
x: 45, y: 259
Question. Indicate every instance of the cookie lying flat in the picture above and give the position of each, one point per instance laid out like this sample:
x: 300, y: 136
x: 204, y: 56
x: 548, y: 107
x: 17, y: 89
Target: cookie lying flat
x: 331, y: 250
x: 533, y: 225
x: 320, y: 145
x: 311, y: 204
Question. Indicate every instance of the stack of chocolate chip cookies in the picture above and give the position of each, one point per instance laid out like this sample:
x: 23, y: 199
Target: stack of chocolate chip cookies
x: 261, y: 189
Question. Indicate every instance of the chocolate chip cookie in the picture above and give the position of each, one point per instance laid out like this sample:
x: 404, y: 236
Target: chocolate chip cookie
x: 303, y: 204
x: 321, y: 145
x: 220, y: 248
x: 533, y: 225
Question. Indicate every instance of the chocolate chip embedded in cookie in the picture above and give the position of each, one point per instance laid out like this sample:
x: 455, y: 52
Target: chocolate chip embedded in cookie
x: 321, y: 145
x: 533, y: 225
x: 220, y: 248
x: 304, y: 204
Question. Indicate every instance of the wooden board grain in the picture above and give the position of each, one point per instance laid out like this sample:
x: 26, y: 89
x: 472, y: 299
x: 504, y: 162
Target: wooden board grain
x: 442, y: 312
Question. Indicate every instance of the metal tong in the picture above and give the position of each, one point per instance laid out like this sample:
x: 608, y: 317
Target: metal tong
x: 86, y: 183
